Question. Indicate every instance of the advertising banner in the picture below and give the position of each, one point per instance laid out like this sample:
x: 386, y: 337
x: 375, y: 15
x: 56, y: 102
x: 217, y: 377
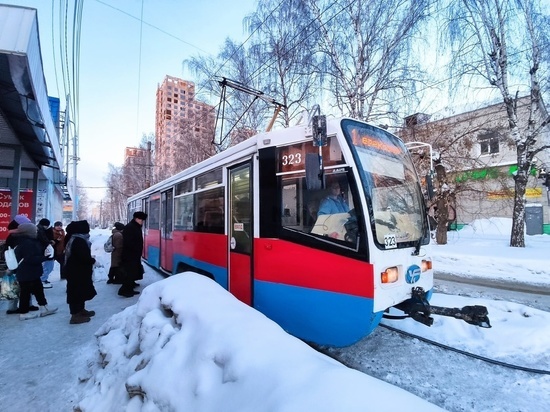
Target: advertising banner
x: 25, y: 208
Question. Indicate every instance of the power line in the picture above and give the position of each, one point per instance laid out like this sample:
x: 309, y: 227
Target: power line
x: 140, y: 19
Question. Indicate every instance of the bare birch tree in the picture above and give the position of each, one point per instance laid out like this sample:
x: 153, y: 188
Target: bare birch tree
x: 115, y: 200
x: 366, y: 52
x: 283, y: 40
x: 496, y: 40
x: 461, y: 179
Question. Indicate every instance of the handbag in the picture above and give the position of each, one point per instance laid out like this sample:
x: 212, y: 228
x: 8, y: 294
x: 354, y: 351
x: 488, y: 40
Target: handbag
x: 9, y: 287
x: 49, y: 252
x: 11, y: 259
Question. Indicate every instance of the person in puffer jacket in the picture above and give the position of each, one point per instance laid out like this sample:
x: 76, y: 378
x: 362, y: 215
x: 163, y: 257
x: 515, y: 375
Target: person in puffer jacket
x: 30, y: 255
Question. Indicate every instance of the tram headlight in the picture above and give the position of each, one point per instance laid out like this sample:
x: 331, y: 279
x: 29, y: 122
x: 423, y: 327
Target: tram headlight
x: 390, y: 275
x: 426, y: 264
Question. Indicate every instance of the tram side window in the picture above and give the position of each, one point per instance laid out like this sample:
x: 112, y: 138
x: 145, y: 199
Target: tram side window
x: 183, y: 212
x: 153, y: 214
x: 210, y: 211
x: 299, y: 206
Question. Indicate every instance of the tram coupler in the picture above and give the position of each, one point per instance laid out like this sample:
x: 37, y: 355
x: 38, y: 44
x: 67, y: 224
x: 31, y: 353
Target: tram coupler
x: 474, y: 315
x: 418, y: 308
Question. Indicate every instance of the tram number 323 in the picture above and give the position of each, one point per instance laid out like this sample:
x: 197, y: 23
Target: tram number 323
x: 390, y: 241
x: 291, y: 159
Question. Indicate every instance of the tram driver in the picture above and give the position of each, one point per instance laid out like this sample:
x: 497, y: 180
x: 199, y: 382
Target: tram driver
x: 334, y: 202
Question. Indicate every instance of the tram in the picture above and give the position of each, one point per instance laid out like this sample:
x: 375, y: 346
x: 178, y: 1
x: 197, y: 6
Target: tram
x: 254, y: 218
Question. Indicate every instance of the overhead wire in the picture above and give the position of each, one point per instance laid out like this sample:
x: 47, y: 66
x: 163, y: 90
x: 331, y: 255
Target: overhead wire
x: 269, y: 63
x: 140, y: 19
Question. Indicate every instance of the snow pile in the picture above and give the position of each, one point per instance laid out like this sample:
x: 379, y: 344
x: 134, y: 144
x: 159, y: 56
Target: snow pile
x: 190, y: 345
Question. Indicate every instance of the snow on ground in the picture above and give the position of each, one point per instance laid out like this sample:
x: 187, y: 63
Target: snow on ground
x: 186, y: 344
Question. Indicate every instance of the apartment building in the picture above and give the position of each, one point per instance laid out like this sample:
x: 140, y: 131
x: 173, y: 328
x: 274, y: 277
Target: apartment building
x: 184, y: 128
x: 479, y: 156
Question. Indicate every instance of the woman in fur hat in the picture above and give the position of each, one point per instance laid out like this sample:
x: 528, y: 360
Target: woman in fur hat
x: 78, y: 271
x: 30, y: 255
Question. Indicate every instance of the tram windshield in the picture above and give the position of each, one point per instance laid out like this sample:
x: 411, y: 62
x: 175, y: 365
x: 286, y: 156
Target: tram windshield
x: 390, y: 182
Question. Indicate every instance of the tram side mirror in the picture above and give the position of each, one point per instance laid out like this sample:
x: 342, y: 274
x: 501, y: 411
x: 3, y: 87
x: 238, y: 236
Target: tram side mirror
x: 313, y: 172
x: 319, y: 130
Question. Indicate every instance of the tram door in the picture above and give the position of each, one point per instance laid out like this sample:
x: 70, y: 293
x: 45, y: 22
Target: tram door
x: 240, y: 232
x: 166, y: 206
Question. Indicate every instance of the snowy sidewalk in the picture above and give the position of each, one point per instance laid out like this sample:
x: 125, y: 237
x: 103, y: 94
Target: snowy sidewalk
x: 38, y: 363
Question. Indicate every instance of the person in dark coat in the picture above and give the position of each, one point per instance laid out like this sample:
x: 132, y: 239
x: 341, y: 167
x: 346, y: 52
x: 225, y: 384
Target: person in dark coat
x: 12, y: 241
x: 30, y: 255
x: 116, y: 255
x: 132, y: 249
x: 78, y: 271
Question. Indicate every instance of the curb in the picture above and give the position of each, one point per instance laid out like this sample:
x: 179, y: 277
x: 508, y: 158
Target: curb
x: 537, y: 289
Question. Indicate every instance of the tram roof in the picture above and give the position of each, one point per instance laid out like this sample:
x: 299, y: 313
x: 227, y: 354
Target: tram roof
x: 234, y: 154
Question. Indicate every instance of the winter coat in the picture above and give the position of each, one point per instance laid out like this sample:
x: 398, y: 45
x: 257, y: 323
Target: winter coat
x: 118, y: 244
x: 79, y: 263
x: 32, y: 253
x: 59, y: 239
x: 131, y: 250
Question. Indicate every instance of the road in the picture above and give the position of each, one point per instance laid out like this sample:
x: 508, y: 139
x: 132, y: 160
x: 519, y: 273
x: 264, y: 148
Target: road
x: 534, y: 296
x: 450, y: 380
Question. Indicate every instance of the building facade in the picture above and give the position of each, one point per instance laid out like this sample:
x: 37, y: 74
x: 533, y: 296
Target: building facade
x: 33, y: 173
x: 184, y: 128
x: 480, y: 160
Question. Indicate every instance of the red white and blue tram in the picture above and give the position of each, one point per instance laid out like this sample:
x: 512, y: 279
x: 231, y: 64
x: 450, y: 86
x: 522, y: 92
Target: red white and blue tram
x: 249, y: 218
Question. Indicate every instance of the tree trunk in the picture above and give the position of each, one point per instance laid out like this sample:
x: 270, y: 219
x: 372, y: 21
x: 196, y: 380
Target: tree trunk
x: 517, y: 236
x: 442, y: 213
x: 442, y: 218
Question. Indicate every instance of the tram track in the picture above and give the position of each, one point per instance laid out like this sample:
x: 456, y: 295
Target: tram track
x: 466, y: 353
x: 448, y: 377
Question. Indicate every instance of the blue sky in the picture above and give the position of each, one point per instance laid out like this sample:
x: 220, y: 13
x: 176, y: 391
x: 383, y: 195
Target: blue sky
x: 117, y: 93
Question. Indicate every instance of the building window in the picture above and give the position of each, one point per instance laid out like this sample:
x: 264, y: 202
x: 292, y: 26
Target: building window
x: 489, y: 143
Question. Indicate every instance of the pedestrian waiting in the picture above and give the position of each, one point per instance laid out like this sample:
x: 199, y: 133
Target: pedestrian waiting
x: 30, y: 255
x: 117, y: 241
x: 78, y: 271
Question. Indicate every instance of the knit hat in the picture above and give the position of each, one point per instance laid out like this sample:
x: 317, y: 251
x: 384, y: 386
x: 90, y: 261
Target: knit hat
x: 22, y: 219
x: 27, y: 229
x: 58, y: 223
x: 44, y: 222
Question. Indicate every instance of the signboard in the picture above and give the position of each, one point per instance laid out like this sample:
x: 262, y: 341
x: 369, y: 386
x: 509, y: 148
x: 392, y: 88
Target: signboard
x: 41, y: 204
x: 25, y: 208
